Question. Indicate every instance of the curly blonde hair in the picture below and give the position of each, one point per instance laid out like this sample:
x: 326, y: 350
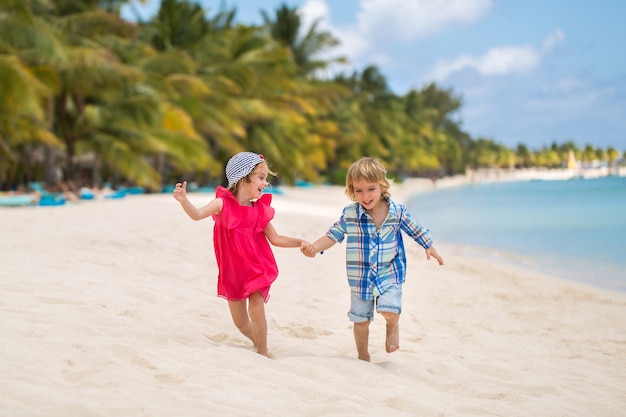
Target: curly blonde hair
x: 370, y: 170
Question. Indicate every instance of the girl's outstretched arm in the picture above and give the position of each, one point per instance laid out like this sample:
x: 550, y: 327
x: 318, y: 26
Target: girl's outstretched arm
x: 320, y: 245
x: 195, y: 213
x: 280, y: 240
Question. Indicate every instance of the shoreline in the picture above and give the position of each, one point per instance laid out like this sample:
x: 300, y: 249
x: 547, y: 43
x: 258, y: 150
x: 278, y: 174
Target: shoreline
x: 488, y: 176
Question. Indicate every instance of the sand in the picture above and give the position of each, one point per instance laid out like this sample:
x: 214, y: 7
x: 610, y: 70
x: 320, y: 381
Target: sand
x: 109, y: 308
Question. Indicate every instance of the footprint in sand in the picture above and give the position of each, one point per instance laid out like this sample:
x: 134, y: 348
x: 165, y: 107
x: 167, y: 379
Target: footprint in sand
x: 218, y: 338
x: 307, y: 332
x: 143, y: 363
x: 168, y: 378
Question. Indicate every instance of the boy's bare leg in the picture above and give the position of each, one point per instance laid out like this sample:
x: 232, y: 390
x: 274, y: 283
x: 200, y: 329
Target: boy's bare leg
x: 242, y: 321
x: 361, y: 338
x: 256, y: 308
x: 393, y: 331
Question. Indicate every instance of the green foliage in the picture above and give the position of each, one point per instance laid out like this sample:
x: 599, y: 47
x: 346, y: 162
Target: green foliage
x: 104, y: 99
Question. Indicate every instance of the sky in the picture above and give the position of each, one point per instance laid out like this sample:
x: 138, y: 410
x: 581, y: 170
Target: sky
x: 526, y: 71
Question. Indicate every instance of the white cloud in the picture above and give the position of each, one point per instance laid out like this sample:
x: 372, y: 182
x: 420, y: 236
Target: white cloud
x: 564, y: 86
x: 508, y: 59
x: 497, y: 61
x: 407, y: 20
x: 569, y: 106
x: 352, y: 43
x: 313, y: 10
x: 553, y: 39
x: 380, y: 23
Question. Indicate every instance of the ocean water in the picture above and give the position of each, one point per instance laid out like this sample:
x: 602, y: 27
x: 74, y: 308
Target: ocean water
x: 574, y: 229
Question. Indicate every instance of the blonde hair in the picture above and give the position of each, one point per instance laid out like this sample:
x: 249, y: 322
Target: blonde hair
x: 370, y: 170
x: 235, y: 187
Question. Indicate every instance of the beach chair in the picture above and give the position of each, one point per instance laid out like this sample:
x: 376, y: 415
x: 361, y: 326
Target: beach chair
x: 47, y: 199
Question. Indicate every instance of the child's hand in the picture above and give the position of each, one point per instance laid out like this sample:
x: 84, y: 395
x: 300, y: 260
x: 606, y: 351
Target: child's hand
x: 180, y: 192
x: 307, y: 249
x: 431, y: 252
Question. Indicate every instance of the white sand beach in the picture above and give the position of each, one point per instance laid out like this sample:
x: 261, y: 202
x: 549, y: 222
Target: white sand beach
x: 109, y: 308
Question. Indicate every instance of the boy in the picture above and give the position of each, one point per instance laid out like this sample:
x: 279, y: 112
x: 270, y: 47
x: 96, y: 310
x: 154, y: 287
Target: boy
x: 375, y: 256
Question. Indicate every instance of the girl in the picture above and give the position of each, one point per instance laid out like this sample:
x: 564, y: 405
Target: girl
x: 246, y: 264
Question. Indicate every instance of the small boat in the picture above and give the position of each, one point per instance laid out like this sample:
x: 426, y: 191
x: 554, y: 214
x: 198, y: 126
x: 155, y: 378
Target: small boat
x: 571, y: 161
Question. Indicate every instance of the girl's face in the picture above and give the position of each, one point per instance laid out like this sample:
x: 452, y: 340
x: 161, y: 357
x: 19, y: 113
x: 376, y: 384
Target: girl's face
x: 367, y: 194
x: 258, y: 181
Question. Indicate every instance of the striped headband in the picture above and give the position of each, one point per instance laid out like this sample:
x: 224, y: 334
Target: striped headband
x: 240, y: 165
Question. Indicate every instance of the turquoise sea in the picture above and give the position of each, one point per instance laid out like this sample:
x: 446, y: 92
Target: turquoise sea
x: 574, y: 229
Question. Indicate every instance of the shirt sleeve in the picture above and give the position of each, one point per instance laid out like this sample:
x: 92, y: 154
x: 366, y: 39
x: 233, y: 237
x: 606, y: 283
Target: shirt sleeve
x: 413, y: 228
x: 337, y: 231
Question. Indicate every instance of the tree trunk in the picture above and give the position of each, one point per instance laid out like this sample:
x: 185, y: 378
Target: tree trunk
x: 97, y: 173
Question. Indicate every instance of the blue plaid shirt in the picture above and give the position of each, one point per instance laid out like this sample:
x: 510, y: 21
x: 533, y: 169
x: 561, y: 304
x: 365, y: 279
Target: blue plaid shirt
x: 376, y: 259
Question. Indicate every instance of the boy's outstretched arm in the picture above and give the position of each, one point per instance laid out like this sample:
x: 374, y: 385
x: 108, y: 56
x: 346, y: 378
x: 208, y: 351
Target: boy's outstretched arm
x: 431, y: 252
x: 320, y: 245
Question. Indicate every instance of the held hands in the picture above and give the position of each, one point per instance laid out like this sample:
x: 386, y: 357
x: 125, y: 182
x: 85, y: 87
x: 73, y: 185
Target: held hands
x: 308, y: 249
x: 431, y: 252
x: 180, y: 192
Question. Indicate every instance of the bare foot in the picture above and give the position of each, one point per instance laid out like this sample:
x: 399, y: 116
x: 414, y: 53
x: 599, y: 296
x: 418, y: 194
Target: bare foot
x: 265, y: 353
x: 393, y: 338
x: 365, y: 357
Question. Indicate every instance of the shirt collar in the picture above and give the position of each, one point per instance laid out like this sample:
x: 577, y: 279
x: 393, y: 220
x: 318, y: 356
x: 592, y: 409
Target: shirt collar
x: 393, y: 210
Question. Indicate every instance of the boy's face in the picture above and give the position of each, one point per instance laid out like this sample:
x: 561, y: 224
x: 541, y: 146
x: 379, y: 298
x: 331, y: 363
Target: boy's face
x: 367, y: 194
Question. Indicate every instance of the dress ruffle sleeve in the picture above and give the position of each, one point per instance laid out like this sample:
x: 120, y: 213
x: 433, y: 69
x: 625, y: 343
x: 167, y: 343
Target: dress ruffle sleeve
x: 266, y: 212
x: 229, y: 219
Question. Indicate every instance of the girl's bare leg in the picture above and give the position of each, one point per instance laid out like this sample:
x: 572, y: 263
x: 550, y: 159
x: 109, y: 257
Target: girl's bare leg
x: 256, y: 308
x: 242, y: 321
x: 361, y: 337
x: 393, y: 331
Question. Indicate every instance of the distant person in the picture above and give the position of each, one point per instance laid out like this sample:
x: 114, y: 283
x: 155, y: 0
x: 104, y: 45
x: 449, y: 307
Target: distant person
x: 247, y: 268
x: 375, y: 255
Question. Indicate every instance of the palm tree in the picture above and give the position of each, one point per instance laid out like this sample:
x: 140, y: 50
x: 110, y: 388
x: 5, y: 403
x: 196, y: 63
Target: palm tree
x: 28, y: 47
x: 380, y: 112
x: 427, y: 149
x: 102, y: 108
x: 589, y: 154
x: 235, y: 83
x: 612, y: 155
x: 524, y: 156
x: 286, y: 28
x: 262, y: 105
x: 445, y: 105
x: 178, y: 24
x: 486, y: 153
x: 23, y: 118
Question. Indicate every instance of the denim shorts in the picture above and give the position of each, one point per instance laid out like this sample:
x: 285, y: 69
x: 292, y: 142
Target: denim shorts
x: 363, y: 310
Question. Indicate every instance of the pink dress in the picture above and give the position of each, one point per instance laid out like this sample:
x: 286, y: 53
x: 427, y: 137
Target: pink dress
x: 244, y: 258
